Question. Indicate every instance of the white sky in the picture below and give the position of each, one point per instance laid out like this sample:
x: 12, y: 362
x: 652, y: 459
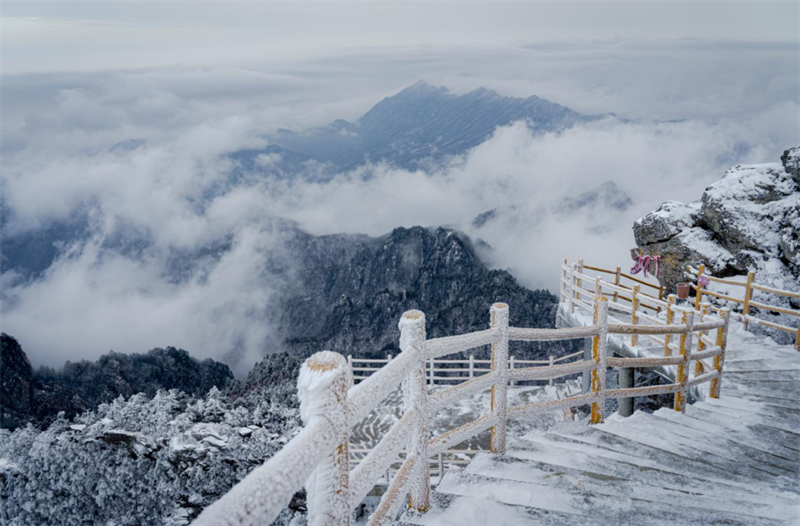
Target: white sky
x: 80, y: 36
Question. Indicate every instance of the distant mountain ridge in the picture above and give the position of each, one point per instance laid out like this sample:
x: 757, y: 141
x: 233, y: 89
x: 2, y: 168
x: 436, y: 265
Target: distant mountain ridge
x: 422, y: 124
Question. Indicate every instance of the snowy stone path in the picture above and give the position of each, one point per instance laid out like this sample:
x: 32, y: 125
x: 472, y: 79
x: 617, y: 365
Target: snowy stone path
x: 731, y: 461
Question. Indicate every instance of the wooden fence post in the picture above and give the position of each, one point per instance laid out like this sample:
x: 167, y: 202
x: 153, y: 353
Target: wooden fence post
x: 572, y: 291
x: 580, y: 270
x: 472, y: 366
x: 552, y: 362
x: 797, y: 338
x: 719, y: 360
x: 698, y: 365
x: 683, y: 368
x: 634, y: 316
x: 599, y: 344
x: 563, y: 287
x: 748, y: 295
x: 670, y: 316
x: 441, y: 467
x: 499, y: 319
x: 616, y: 282
x: 511, y: 367
x: 699, y: 297
x: 415, y: 395
x: 322, y: 388
x: 432, y: 373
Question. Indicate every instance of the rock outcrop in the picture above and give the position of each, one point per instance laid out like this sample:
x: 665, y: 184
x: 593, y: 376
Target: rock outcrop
x: 748, y: 220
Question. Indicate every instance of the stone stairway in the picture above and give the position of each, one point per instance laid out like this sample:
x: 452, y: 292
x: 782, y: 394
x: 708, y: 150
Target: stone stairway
x: 732, y: 461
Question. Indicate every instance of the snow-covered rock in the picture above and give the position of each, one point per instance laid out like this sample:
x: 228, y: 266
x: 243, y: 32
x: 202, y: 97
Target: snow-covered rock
x: 748, y: 220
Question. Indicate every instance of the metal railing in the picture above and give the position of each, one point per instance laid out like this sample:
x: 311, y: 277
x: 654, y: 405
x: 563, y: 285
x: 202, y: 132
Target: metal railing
x: 363, y: 367
x: 318, y: 457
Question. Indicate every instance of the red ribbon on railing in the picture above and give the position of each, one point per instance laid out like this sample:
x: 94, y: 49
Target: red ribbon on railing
x: 643, y: 264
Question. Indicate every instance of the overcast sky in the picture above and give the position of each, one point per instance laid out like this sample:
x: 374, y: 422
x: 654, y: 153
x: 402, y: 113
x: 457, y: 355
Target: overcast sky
x: 79, y: 36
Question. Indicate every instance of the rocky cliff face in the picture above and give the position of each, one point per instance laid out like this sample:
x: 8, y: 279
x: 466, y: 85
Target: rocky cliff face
x: 748, y: 220
x: 16, y: 384
x: 353, y: 289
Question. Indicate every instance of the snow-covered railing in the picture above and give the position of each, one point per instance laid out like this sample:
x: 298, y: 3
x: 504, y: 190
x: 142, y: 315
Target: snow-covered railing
x: 318, y: 457
x: 746, y: 301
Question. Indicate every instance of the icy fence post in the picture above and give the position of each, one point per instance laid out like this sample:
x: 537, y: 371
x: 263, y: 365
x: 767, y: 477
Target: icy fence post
x: 699, y: 296
x: 552, y: 362
x: 683, y: 368
x: 748, y: 295
x: 670, y: 316
x: 572, y: 288
x: 432, y: 369
x: 415, y: 396
x: 322, y: 388
x: 698, y: 365
x: 599, y: 344
x: 719, y: 360
x: 511, y: 367
x: 580, y: 271
x: 616, y: 282
x: 634, y: 317
x: 563, y: 286
x: 471, y: 366
x: 499, y: 319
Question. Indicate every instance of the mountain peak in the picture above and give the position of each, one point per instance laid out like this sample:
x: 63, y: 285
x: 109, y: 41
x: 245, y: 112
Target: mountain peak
x: 423, y: 88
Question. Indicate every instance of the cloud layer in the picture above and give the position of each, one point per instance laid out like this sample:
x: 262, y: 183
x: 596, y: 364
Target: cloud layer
x: 142, y: 155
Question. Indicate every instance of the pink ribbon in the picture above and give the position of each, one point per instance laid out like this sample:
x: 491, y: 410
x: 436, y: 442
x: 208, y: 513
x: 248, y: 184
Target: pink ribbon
x: 643, y: 264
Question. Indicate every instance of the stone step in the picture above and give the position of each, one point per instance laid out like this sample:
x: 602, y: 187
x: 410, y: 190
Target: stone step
x: 648, y: 486
x: 579, y: 502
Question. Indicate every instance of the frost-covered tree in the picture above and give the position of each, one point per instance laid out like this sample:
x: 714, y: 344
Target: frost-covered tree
x: 140, y: 461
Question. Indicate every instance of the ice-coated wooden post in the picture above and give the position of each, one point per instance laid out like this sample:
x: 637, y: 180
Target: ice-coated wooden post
x: 616, y: 282
x: 563, y: 287
x: 415, y: 395
x: 572, y: 292
x: 471, y: 366
x: 699, y: 297
x: 748, y: 295
x: 719, y: 360
x: 683, y: 368
x: 578, y: 283
x: 670, y: 316
x: 432, y: 369
x: 499, y: 320
x: 698, y: 365
x: 599, y: 344
x: 634, y: 314
x: 552, y: 362
x: 322, y: 389
x: 511, y: 368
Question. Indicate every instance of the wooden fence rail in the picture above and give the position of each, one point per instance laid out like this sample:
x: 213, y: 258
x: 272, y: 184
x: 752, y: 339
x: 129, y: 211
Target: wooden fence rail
x: 330, y: 404
x: 747, y: 303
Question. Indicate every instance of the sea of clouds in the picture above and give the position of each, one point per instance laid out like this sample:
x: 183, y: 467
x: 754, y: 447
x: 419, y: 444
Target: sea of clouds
x: 142, y: 153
